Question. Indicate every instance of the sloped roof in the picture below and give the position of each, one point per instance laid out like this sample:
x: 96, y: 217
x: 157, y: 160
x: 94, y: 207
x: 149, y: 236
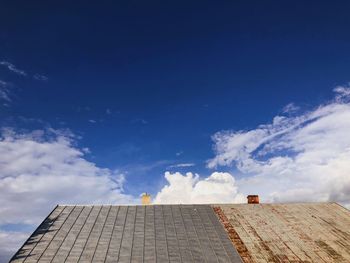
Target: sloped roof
x: 314, y: 232
x: 159, y: 233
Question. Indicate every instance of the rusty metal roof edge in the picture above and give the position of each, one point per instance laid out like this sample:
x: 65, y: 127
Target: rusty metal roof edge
x: 285, y: 203
x: 346, y: 209
x: 210, y: 204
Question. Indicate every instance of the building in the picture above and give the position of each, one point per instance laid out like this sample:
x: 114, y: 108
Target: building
x: 313, y: 232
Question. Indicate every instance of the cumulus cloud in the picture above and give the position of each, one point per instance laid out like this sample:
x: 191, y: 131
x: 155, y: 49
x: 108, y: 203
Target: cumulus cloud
x: 299, y: 158
x: 13, y: 68
x: 41, y: 169
x: 191, y: 189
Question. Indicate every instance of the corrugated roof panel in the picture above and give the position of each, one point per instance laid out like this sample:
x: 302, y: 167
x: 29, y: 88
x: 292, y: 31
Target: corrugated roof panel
x: 314, y: 232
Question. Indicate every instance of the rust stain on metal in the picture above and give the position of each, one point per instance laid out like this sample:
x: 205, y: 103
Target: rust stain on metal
x: 333, y: 254
x: 314, y: 232
x: 236, y: 240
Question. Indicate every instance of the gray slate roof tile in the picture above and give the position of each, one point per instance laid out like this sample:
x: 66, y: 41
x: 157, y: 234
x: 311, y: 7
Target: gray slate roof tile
x: 157, y: 233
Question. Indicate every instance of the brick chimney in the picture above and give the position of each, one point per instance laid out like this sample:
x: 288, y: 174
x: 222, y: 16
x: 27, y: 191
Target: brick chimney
x: 145, y: 199
x: 253, y: 199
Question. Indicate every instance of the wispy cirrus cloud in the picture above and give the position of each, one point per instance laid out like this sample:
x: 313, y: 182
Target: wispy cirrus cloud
x: 13, y: 68
x: 179, y: 153
x: 290, y: 108
x: 182, y: 165
x: 300, y: 158
x: 342, y: 93
x: 40, y: 77
x: 139, y: 121
x: 5, y: 91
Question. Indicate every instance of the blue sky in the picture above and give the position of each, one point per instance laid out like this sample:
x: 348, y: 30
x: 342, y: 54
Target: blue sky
x: 141, y: 88
x: 171, y: 75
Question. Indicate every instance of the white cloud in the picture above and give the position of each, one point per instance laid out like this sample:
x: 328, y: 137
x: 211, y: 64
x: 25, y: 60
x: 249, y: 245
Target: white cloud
x: 4, y: 91
x: 179, y: 153
x: 290, y: 108
x: 41, y: 169
x: 13, y: 68
x: 40, y: 77
x: 191, y: 189
x: 9, y: 241
x: 300, y: 158
x: 342, y: 93
x: 139, y: 121
x: 182, y: 165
